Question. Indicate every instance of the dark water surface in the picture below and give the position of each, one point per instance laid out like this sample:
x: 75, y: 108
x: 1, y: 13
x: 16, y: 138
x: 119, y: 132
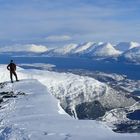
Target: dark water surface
x: 135, y: 115
x: 131, y: 70
x: 137, y: 92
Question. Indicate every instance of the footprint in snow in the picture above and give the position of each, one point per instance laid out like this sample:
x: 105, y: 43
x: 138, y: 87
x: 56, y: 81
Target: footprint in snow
x: 67, y: 136
x: 48, y: 134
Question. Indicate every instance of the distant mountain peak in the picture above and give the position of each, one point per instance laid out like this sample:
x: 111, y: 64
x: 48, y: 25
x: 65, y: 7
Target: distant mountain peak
x: 124, y: 46
x: 105, y: 49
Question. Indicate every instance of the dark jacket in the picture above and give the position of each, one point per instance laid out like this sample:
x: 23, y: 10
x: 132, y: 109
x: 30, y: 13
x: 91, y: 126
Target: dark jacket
x: 11, y: 67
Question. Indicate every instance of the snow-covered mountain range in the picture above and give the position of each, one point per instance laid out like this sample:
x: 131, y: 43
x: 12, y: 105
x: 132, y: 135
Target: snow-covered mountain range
x: 123, y: 51
x: 89, y: 49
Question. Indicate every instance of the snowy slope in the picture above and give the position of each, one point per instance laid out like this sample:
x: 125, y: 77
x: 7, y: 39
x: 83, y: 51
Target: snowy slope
x: 24, y: 48
x: 124, y: 46
x: 38, y: 115
x: 132, y: 55
x: 105, y: 50
x: 83, y: 48
x: 62, y: 51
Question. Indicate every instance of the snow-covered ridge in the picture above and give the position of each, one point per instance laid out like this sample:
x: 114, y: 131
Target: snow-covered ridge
x: 73, y: 90
x: 37, y: 115
x: 77, y: 89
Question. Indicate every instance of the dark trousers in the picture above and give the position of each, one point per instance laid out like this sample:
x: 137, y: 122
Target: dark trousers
x: 11, y: 75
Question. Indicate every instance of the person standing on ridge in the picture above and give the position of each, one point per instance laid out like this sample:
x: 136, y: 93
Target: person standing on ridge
x: 12, y: 68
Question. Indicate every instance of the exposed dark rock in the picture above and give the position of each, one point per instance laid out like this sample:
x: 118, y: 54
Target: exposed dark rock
x: 90, y: 110
x: 128, y: 127
x: 11, y: 93
x: 68, y: 110
x: 1, y: 100
x: 2, y: 85
x: 21, y: 93
x: 132, y: 96
x: 4, y: 93
x: 9, y: 96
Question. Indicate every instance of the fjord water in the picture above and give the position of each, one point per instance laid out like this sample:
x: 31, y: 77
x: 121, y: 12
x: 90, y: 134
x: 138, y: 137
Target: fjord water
x: 134, y: 115
x: 132, y: 71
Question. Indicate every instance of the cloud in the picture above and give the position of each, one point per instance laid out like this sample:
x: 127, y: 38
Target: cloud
x: 24, y: 48
x: 57, y: 38
x: 30, y: 21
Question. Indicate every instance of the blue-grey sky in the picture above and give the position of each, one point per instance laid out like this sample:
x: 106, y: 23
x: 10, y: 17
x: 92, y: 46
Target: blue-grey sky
x: 61, y: 21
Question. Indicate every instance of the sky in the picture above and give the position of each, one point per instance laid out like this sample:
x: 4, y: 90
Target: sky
x: 69, y: 21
